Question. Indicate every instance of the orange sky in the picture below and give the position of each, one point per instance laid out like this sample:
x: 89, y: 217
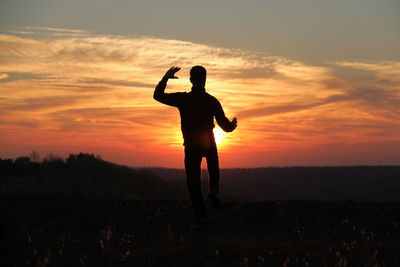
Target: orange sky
x: 73, y: 91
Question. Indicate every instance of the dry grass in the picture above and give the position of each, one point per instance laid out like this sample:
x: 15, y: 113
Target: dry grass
x: 51, y: 232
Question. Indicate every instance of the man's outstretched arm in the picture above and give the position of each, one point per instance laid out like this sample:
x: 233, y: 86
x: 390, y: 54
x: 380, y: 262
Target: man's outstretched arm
x: 223, y: 121
x: 159, y: 93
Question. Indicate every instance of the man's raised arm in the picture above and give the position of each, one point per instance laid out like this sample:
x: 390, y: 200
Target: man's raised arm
x: 159, y: 93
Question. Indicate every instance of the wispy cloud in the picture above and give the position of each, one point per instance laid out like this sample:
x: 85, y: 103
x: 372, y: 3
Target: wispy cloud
x: 52, y: 29
x: 20, y: 32
x: 96, y: 86
x: 385, y: 68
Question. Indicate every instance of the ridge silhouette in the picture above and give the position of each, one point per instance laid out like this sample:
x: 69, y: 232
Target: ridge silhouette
x: 197, y: 111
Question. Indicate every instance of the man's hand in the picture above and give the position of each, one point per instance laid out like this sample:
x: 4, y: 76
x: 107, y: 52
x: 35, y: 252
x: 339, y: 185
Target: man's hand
x: 234, y: 123
x: 170, y: 74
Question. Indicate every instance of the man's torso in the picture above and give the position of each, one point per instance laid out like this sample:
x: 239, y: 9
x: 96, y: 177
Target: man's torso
x: 197, y: 111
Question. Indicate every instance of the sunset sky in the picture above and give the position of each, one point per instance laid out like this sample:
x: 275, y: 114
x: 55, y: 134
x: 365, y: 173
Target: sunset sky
x: 312, y: 82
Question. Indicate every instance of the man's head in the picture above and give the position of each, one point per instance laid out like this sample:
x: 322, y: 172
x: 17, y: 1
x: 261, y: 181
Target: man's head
x: 198, y: 76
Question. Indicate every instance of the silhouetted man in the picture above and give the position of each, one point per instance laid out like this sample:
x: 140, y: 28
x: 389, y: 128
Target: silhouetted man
x: 197, y: 110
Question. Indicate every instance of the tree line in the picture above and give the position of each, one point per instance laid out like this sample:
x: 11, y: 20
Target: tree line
x: 81, y: 175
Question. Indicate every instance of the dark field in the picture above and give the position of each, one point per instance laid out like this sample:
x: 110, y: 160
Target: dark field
x: 84, y: 232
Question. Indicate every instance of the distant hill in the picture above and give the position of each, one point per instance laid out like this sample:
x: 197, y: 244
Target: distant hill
x: 364, y: 183
x: 89, y: 176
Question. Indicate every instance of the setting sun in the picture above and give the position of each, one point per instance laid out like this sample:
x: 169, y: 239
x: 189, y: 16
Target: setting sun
x: 219, y: 136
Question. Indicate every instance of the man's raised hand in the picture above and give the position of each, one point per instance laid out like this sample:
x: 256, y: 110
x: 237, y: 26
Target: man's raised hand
x: 170, y: 74
x: 234, y: 123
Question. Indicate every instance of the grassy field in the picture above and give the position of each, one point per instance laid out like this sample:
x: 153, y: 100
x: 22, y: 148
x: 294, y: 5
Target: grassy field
x: 84, y: 232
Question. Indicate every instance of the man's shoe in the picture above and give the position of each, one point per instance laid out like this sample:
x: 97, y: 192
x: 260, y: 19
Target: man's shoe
x: 215, y: 200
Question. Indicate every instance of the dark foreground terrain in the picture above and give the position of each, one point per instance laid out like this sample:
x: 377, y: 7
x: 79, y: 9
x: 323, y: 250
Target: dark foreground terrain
x: 49, y: 232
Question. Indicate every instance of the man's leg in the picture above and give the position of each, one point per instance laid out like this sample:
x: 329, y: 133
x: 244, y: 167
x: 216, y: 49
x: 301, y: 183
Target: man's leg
x: 213, y: 173
x: 193, y: 172
x: 213, y: 170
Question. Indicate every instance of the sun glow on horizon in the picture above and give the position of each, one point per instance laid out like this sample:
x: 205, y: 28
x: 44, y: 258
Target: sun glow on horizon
x: 219, y: 136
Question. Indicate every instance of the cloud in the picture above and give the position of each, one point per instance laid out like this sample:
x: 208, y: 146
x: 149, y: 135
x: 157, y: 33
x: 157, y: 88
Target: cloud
x: 53, y: 29
x: 389, y: 68
x: 41, y: 103
x: 376, y: 85
x: 273, y: 110
x: 20, y: 32
x: 14, y: 76
x: 117, y: 82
